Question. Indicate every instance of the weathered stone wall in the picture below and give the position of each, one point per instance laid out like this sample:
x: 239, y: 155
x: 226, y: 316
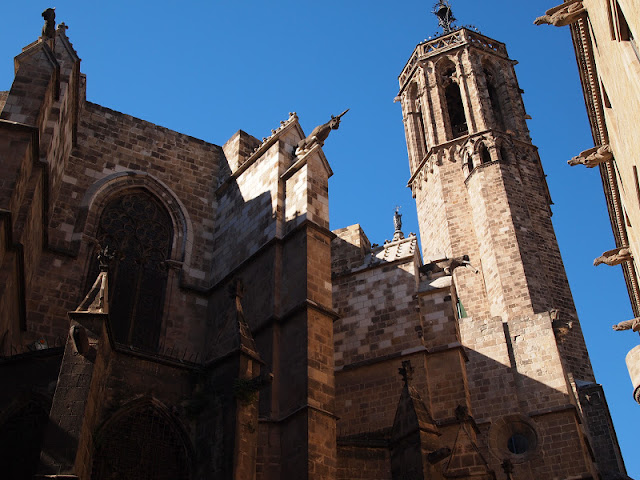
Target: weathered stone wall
x: 363, y: 463
x: 116, y: 152
x: 518, y: 327
x: 377, y: 309
x: 374, y: 293
x: 251, y: 211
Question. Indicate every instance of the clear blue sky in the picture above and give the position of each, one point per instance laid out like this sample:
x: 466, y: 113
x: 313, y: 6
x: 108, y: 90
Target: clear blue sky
x: 209, y: 68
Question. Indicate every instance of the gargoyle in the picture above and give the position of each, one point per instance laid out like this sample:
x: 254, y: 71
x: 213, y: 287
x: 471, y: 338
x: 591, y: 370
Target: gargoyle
x: 592, y: 157
x: 319, y: 134
x: 633, y: 324
x: 49, y: 29
x: 614, y: 257
x: 448, y: 265
x: 564, y: 14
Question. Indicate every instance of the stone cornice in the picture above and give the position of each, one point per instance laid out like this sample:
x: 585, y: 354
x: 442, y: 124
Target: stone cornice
x: 583, y: 46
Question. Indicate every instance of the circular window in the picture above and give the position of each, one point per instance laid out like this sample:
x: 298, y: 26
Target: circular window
x: 518, y: 444
x: 513, y: 437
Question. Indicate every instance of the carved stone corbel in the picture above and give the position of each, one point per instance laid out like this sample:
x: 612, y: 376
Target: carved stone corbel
x: 592, y: 157
x: 562, y: 15
x: 614, y: 257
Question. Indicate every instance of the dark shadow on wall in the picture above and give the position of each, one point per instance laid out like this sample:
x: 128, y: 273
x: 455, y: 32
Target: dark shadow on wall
x: 519, y: 418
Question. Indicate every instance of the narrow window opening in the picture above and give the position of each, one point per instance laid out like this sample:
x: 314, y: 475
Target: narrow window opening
x: 485, y: 157
x: 469, y: 163
x: 503, y: 154
x: 494, y: 99
x: 455, y: 109
x: 605, y: 97
x: 623, y: 26
x: 417, y: 125
x: 637, y: 183
x: 592, y: 35
x: 612, y: 28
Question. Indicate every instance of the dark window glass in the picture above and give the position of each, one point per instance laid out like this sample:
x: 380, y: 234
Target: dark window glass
x: 485, y: 157
x: 623, y: 26
x: 469, y: 163
x: 143, y: 444
x: 518, y: 444
x: 503, y: 154
x: 139, y: 230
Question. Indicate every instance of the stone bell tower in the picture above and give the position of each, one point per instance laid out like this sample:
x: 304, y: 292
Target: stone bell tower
x: 481, y: 192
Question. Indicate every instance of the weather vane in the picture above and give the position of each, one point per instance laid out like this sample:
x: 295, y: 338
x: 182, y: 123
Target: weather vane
x: 442, y: 10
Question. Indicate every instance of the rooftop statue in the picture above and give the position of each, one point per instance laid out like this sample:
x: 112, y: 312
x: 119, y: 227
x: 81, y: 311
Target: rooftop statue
x: 49, y: 29
x: 319, y: 134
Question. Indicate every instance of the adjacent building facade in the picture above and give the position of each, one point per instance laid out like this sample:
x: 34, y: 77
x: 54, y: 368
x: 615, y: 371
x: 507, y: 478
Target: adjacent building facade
x: 175, y: 309
x: 608, y: 57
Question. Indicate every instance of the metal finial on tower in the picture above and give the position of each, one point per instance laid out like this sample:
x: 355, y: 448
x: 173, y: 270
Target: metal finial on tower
x: 442, y: 10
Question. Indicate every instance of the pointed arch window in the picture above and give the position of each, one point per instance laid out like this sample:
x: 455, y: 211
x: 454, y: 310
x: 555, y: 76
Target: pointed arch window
x: 138, y: 228
x: 455, y: 108
x: 455, y: 117
x: 416, y: 123
x: 469, y: 162
x: 143, y: 443
x: 485, y: 156
x: 494, y: 99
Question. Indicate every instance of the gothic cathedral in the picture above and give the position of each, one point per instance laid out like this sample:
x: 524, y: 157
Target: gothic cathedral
x: 174, y: 309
